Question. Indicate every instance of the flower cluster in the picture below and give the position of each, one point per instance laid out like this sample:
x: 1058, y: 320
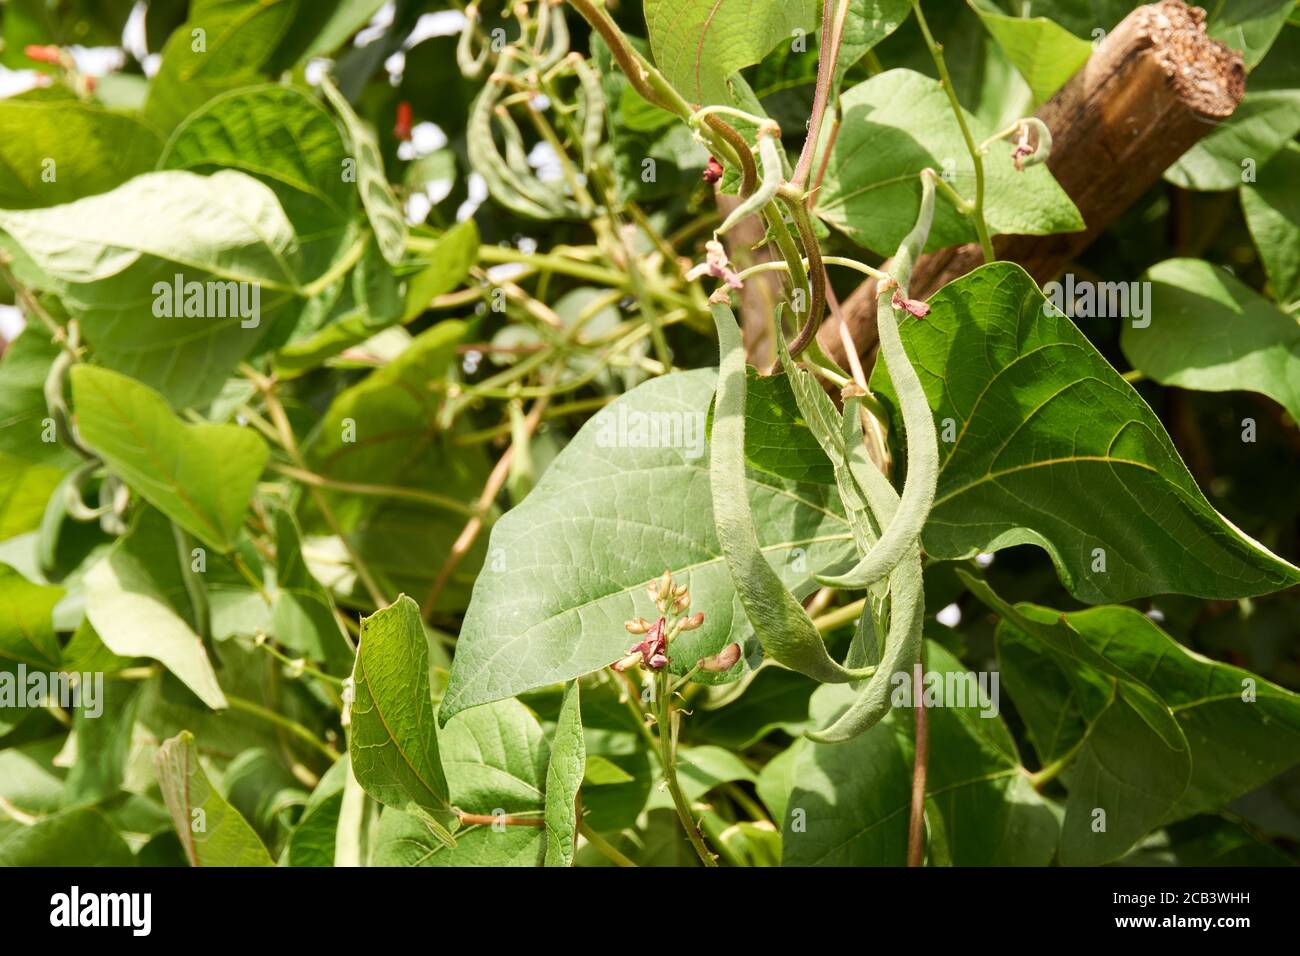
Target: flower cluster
x: 673, y: 601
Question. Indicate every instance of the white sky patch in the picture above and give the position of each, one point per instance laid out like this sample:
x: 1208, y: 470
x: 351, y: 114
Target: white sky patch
x: 13, y: 82
x: 316, y: 70
x: 478, y: 192
x: 506, y: 271
x: 134, y: 38
x: 438, y: 190
x: 97, y: 60
x: 547, y: 165
x: 11, y: 322
x: 151, y: 63
x: 396, y: 66
x: 949, y: 616
x: 1156, y: 614
x: 426, y: 138
x: 444, y: 23
x: 527, y: 245
x: 418, y: 206
x: 983, y: 559
x: 378, y: 25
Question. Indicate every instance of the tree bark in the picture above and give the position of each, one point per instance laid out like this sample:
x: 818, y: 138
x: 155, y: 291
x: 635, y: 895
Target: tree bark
x: 1150, y: 91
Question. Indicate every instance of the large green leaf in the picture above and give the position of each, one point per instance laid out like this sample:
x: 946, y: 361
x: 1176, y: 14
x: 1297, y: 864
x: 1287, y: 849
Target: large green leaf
x: 312, y: 841
x: 1211, y: 332
x: 1272, y: 208
x: 212, y: 831
x: 72, y: 838
x: 57, y: 149
x: 24, y: 415
x: 393, y: 743
x: 698, y: 44
x: 900, y: 122
x: 286, y: 139
x: 1242, y: 730
x: 1045, y: 53
x: 563, y: 778
x: 568, y: 567
x: 201, y: 476
x: 850, y: 801
x: 223, y: 44
x: 496, y: 760
x: 866, y: 24
x: 108, y: 258
x: 1052, y: 447
x: 137, y: 600
x: 27, y: 622
x: 1263, y: 123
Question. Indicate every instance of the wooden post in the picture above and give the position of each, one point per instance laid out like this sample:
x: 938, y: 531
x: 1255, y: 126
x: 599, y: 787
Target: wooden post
x: 1152, y: 89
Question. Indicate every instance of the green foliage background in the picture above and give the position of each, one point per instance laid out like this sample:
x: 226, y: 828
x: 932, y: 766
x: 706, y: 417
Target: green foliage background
x: 463, y: 260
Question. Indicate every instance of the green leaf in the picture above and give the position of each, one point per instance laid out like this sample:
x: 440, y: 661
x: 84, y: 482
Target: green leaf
x: 1241, y: 729
x: 1052, y: 447
x: 569, y: 566
x: 1249, y: 26
x: 496, y: 760
x: 289, y: 142
x: 850, y: 802
x: 312, y: 841
x: 443, y: 266
x: 1263, y: 123
x: 114, y: 259
x: 24, y: 490
x: 24, y: 414
x: 773, y: 699
x: 564, y: 774
x: 57, y: 149
x: 1211, y: 332
x: 319, y: 31
x: 376, y: 195
x: 698, y: 44
x: 1045, y: 53
x: 223, y: 44
x: 27, y: 622
x: 202, y: 476
x: 777, y: 439
x: 1124, y: 781
x: 900, y: 122
x: 302, y: 616
x: 393, y: 743
x: 866, y: 24
x: 72, y: 838
x: 212, y: 831
x: 137, y: 601
x: 1272, y: 208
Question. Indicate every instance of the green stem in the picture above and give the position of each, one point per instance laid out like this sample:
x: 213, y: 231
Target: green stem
x: 945, y: 80
x: 604, y: 847
x: 668, y: 757
x: 291, y: 726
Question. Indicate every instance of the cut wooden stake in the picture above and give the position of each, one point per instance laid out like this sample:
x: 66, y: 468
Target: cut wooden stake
x: 1155, y: 86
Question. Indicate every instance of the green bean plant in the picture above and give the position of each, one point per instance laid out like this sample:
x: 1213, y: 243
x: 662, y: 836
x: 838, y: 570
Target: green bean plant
x: 437, y: 435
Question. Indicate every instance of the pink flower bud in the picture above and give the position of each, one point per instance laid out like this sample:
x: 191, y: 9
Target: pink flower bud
x: 724, y: 660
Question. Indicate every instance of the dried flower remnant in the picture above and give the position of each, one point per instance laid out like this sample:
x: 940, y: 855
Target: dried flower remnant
x: 713, y: 172
x: 911, y: 306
